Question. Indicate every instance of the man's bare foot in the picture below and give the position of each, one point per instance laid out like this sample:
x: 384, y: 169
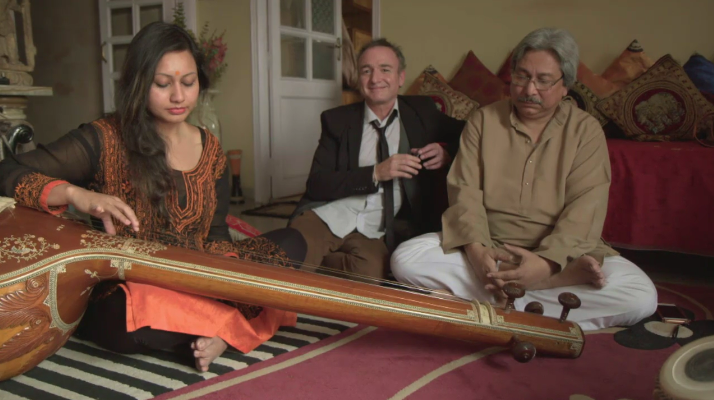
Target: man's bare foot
x: 206, y: 349
x: 580, y: 271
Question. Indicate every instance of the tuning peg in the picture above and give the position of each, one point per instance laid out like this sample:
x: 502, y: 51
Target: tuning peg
x: 534, y: 307
x: 569, y: 301
x: 513, y: 291
x: 522, y: 351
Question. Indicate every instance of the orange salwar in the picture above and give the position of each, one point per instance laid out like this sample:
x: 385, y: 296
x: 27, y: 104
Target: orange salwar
x: 169, y: 310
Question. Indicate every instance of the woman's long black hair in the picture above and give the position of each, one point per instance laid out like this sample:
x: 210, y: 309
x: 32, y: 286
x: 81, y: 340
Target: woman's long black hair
x: 146, y: 150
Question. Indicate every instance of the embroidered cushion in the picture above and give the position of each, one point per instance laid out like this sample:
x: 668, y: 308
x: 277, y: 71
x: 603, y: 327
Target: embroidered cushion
x: 416, y: 85
x: 476, y: 81
x: 586, y: 100
x: 701, y: 72
x: 631, y: 63
x: 661, y: 105
x: 448, y: 100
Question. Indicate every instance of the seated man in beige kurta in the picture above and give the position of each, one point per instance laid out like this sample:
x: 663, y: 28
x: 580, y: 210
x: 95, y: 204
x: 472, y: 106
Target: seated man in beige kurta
x: 528, y: 195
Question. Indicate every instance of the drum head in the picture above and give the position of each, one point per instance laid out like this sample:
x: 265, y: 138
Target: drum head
x: 688, y: 374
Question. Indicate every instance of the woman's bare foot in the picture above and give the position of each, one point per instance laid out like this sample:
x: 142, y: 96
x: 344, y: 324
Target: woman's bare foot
x: 206, y: 349
x: 580, y: 271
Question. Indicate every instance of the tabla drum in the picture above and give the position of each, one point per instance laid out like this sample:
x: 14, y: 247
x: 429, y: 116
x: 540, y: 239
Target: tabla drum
x: 688, y: 374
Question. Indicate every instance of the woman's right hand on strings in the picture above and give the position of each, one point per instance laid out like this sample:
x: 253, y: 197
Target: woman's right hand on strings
x: 99, y: 205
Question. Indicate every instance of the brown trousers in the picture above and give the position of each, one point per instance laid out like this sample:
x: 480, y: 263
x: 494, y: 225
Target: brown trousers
x: 355, y: 253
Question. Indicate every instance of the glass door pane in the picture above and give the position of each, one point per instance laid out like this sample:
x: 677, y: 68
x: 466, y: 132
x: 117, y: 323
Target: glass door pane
x: 292, y: 56
x: 121, y: 21
x: 310, y: 52
x: 323, y: 60
x: 149, y: 14
x: 118, y: 55
x: 323, y: 16
x: 292, y: 13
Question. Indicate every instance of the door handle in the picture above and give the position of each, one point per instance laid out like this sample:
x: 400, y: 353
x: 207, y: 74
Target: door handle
x: 103, y: 57
x: 338, y: 46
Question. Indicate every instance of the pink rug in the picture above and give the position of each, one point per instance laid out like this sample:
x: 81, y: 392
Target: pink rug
x: 369, y: 363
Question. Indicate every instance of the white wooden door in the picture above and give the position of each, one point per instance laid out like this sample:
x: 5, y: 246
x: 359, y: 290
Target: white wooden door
x: 119, y: 21
x: 305, y: 79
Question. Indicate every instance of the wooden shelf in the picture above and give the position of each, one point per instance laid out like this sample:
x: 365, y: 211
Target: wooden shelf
x: 15, y: 90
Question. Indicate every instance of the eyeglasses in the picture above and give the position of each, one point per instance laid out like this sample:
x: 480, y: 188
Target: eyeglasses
x: 540, y: 84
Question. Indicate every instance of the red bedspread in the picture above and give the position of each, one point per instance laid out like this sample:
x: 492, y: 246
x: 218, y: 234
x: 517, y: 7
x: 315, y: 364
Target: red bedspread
x: 661, y: 197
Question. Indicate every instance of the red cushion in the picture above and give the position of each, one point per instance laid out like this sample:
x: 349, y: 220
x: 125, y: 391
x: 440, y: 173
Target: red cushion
x: 476, y: 81
x: 504, y: 73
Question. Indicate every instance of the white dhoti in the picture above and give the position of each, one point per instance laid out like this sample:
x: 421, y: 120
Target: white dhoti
x: 628, y: 297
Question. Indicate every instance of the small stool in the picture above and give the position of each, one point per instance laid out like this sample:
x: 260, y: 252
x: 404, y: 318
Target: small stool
x: 234, y: 157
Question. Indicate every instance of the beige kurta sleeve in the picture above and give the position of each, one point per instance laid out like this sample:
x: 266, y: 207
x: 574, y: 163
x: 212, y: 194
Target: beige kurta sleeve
x: 579, y: 227
x: 465, y: 220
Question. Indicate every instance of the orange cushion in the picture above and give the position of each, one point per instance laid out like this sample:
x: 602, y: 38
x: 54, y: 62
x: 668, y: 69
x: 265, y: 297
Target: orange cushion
x: 476, y: 81
x: 632, y: 63
x: 448, y: 101
x: 661, y: 105
x: 600, y: 86
x: 416, y: 85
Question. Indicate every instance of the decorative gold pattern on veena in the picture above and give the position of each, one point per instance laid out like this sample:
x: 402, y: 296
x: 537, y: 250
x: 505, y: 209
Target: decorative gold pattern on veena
x: 95, y: 239
x: 25, y: 248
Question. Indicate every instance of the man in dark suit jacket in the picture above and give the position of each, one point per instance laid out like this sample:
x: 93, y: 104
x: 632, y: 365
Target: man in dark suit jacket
x: 342, y: 214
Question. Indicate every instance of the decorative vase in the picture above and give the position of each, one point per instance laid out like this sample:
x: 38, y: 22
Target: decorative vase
x: 205, y: 115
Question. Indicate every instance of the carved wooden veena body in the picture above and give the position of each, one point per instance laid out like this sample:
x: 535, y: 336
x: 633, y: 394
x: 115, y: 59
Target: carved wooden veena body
x: 48, y: 266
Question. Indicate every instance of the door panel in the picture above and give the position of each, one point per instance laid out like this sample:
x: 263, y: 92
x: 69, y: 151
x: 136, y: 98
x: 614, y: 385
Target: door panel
x: 305, y: 80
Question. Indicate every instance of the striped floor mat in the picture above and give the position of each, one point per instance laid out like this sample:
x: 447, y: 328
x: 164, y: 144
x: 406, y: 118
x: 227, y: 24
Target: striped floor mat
x: 81, y: 370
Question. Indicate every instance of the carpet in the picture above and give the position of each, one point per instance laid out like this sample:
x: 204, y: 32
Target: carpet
x: 81, y: 370
x: 370, y: 363
x: 283, y: 209
x: 326, y: 359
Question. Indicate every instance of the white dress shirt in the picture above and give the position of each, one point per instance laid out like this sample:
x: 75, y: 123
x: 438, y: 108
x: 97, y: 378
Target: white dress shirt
x: 363, y: 213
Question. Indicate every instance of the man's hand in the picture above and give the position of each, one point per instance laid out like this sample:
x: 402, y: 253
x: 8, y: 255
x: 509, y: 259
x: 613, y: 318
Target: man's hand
x: 101, y: 206
x: 397, y: 166
x: 433, y: 155
x: 531, y: 270
x: 483, y: 260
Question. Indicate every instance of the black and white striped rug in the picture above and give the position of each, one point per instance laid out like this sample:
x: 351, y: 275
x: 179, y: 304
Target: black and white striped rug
x: 81, y: 370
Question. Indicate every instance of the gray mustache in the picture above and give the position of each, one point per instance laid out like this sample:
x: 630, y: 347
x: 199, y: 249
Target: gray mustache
x: 530, y: 99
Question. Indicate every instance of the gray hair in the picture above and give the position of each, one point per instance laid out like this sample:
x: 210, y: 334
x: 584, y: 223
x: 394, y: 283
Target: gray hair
x: 558, y: 41
x: 382, y: 42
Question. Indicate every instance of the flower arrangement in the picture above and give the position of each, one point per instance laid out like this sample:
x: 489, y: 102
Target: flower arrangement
x: 213, y: 47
